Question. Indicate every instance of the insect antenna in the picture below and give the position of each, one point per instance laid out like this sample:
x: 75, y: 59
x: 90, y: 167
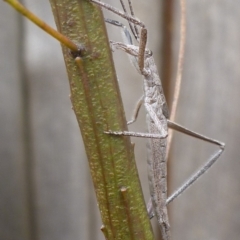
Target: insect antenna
x: 132, y: 26
x: 132, y: 14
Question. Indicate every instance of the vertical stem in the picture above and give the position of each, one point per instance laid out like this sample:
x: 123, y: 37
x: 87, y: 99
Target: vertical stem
x: 97, y: 104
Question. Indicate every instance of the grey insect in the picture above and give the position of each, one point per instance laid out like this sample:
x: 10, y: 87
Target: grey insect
x: 157, y: 119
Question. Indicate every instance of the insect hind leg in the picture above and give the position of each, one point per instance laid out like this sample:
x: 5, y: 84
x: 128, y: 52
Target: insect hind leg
x: 204, y: 168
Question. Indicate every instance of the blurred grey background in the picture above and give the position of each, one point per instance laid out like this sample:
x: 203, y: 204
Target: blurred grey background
x: 46, y: 192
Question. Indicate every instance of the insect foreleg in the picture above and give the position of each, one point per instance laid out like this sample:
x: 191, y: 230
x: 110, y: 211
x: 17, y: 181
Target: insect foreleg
x: 132, y: 19
x: 127, y: 35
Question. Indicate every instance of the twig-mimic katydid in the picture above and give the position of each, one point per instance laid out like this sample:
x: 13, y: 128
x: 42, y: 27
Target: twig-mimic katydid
x: 157, y: 119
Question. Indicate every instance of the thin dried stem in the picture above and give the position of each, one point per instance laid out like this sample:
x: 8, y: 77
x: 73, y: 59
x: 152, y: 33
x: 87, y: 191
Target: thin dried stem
x: 39, y: 22
x: 179, y: 69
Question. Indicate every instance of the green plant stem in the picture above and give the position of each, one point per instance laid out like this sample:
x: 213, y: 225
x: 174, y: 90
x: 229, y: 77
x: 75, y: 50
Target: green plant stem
x: 97, y: 103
